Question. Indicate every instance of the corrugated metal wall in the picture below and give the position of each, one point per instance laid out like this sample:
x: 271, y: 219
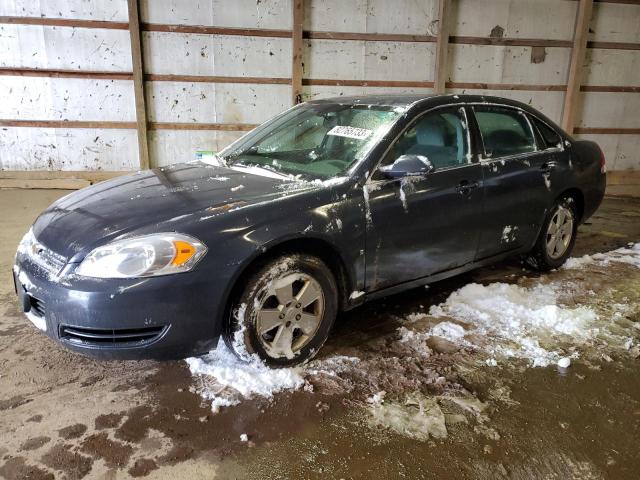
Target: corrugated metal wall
x: 488, y: 53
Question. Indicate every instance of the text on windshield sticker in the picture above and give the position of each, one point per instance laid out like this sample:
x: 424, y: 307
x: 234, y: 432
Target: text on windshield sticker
x: 349, y: 132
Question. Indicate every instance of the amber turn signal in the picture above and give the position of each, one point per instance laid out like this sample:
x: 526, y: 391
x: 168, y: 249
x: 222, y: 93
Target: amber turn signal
x: 184, y: 251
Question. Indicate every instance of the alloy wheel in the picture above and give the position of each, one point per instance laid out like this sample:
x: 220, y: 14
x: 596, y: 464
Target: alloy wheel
x: 559, y: 232
x: 289, y: 311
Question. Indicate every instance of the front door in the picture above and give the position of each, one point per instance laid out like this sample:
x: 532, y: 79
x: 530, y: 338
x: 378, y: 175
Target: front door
x: 423, y: 224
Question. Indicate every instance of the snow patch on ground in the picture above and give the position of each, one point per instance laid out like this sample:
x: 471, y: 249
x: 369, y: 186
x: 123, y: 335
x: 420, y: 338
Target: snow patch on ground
x: 519, y: 318
x: 629, y: 255
x: 227, y: 380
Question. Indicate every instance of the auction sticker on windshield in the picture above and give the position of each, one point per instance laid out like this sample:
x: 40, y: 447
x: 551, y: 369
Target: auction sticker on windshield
x: 350, y: 132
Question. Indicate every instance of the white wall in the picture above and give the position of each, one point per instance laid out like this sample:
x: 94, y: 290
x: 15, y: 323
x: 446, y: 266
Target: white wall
x: 52, y: 47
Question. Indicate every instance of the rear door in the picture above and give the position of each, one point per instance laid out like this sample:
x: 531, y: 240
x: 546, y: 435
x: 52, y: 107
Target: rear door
x: 421, y: 225
x: 515, y: 178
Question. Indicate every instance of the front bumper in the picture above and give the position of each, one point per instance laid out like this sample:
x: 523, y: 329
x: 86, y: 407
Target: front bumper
x: 168, y: 317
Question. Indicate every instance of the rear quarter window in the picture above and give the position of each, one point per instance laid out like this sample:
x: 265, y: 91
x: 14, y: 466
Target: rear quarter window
x: 549, y: 135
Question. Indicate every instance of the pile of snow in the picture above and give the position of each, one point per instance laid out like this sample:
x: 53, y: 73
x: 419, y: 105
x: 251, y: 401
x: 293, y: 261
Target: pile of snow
x: 629, y: 255
x: 226, y: 380
x: 518, y: 317
x: 529, y: 323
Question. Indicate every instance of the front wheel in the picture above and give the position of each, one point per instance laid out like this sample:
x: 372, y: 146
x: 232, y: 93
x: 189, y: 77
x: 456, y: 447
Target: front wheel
x: 285, y: 311
x: 557, y: 236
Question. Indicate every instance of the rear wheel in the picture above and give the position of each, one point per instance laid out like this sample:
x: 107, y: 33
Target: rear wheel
x: 285, y: 312
x: 557, y: 236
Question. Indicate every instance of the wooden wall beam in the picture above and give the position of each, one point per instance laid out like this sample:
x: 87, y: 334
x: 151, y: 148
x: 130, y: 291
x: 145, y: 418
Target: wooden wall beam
x: 154, y: 77
x: 66, y: 124
x: 442, y: 48
x: 297, y: 50
x: 63, y: 22
x: 607, y: 131
x: 614, y: 45
x: 138, y: 83
x: 507, y: 86
x: 367, y: 83
x: 225, y: 127
x: 571, y: 97
x: 509, y: 42
x: 213, y: 30
x: 98, y: 124
x: 610, y: 88
x: 63, y: 73
x: 59, y: 179
x: 368, y: 37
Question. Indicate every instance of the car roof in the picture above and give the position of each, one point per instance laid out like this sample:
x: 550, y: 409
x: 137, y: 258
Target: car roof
x: 427, y: 100
x: 387, y: 100
x: 407, y: 100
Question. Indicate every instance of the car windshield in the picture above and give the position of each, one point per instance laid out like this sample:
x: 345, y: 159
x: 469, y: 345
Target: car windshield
x: 313, y: 141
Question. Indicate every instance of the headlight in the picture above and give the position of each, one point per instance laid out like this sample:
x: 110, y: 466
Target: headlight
x: 144, y: 256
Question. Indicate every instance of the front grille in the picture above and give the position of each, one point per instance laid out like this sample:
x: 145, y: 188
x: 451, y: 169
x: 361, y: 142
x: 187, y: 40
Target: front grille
x: 37, y: 306
x: 54, y: 261
x: 113, y: 337
x: 45, y: 258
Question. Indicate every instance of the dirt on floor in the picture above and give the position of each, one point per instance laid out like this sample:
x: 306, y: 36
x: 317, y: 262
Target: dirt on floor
x: 383, y: 400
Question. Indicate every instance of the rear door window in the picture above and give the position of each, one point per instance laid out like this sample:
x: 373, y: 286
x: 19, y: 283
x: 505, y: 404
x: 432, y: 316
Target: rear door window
x: 504, y: 131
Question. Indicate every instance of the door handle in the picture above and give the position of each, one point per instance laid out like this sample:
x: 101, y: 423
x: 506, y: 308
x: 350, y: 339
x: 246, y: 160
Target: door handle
x: 465, y: 187
x: 548, y: 167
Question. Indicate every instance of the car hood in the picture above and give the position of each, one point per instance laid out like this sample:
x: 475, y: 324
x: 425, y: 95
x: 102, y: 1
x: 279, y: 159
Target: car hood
x: 89, y: 217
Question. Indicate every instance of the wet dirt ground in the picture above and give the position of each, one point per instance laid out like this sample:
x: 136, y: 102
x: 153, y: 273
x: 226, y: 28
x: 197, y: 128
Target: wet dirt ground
x: 66, y: 416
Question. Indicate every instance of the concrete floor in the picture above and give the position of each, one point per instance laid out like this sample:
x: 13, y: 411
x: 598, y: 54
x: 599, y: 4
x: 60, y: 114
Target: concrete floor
x: 66, y: 416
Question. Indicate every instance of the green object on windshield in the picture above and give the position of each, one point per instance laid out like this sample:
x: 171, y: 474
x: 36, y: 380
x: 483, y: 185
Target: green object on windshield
x: 314, y: 141
x: 204, y: 155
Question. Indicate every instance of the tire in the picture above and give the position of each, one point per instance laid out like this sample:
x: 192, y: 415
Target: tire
x: 271, y: 317
x: 552, y: 250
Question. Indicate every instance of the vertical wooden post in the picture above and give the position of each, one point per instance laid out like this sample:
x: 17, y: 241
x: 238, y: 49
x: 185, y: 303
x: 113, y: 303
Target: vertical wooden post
x: 297, y: 48
x: 442, y: 47
x: 575, y: 67
x: 138, y: 83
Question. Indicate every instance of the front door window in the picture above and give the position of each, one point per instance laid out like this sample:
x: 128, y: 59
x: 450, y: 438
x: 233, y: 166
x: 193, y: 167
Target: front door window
x: 440, y: 137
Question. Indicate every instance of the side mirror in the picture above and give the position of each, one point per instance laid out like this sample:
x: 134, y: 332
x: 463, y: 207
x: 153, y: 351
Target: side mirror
x: 407, y: 165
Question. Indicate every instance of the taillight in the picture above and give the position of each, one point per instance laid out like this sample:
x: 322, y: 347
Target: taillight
x: 603, y: 161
